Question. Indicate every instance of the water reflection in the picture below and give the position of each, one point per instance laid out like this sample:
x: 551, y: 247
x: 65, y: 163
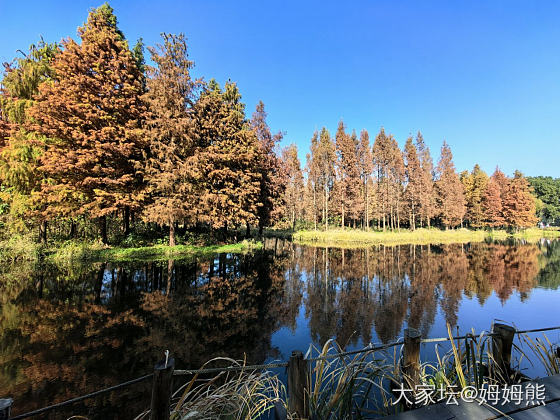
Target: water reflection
x: 69, y: 330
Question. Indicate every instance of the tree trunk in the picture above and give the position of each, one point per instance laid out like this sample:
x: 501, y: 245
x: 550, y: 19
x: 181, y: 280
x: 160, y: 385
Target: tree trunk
x: 171, y: 234
x: 326, y: 208
x: 248, y: 231
x: 170, y: 269
x: 126, y: 217
x: 367, y: 206
x: 342, y: 207
x: 103, y: 229
x: 72, y: 229
x: 315, y: 207
x: 43, y: 232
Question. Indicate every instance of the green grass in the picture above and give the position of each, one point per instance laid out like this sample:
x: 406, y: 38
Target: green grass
x: 76, y: 251
x: 357, y: 238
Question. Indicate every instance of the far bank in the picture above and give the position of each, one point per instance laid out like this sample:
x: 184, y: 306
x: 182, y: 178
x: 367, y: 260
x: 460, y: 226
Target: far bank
x: 356, y: 237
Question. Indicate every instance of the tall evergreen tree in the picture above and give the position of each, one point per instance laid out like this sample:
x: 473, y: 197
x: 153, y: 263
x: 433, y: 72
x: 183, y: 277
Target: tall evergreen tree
x: 19, y: 155
x: 92, y: 108
x: 170, y: 171
x: 227, y: 163
x: 450, y: 198
x: 271, y: 188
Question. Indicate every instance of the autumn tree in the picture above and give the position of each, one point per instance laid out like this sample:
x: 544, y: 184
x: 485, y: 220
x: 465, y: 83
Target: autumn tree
x: 427, y: 198
x: 492, y: 204
x: 389, y: 171
x: 348, y: 174
x: 450, y: 194
x: 271, y: 187
x: 227, y: 162
x: 474, y: 184
x: 294, y: 186
x: 519, y: 203
x: 312, y: 172
x: 169, y: 127
x: 323, y: 160
x: 381, y: 163
x: 365, y: 162
x: 20, y: 147
x: 413, y: 177
x: 92, y: 110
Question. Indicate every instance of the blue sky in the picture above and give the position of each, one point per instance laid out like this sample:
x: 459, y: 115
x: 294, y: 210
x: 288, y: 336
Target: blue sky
x: 483, y: 75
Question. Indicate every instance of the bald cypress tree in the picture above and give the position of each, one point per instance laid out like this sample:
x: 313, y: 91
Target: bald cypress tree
x: 271, y: 187
x: 170, y: 131
x: 518, y: 203
x: 381, y: 153
x: 294, y: 185
x: 365, y: 168
x: 93, y: 111
x: 413, y: 176
x: 348, y: 174
x: 450, y: 198
x: 427, y: 186
x: 324, y: 163
x: 474, y: 184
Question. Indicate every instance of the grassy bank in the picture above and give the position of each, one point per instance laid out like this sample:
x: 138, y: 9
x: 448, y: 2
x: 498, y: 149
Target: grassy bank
x: 23, y: 248
x: 356, y: 238
x: 98, y: 252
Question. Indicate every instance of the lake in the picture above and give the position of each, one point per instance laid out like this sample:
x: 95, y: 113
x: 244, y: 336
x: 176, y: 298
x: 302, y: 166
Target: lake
x: 66, y: 330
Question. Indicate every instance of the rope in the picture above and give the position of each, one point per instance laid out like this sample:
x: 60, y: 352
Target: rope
x: 365, y: 349
x: 83, y: 397
x: 538, y: 330
x: 179, y: 372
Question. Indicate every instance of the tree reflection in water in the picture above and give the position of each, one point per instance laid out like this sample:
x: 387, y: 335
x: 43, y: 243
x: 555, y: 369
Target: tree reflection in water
x: 72, y: 329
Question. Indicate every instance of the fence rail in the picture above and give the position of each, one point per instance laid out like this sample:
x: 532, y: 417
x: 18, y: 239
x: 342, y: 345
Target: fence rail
x: 409, y: 344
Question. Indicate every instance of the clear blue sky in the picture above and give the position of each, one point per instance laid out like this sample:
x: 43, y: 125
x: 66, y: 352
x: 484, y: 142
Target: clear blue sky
x: 484, y: 75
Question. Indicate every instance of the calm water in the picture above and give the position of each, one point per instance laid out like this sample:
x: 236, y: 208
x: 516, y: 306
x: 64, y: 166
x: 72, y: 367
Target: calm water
x: 69, y: 330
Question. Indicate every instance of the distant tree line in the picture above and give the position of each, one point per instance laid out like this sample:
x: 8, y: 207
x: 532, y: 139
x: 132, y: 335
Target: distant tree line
x: 91, y: 133
x: 351, y: 183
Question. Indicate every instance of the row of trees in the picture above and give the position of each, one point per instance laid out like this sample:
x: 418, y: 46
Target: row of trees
x: 351, y: 183
x: 89, y: 131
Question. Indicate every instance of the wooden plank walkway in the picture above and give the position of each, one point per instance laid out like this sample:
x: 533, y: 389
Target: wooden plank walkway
x: 465, y: 410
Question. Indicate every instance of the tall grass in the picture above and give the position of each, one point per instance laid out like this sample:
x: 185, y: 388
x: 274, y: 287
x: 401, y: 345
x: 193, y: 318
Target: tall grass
x: 241, y: 395
x: 19, y: 248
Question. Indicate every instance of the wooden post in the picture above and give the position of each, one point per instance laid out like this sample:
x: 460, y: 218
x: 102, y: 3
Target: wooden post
x: 5, y: 408
x: 161, y: 389
x: 298, y: 385
x: 502, y: 342
x: 411, y: 360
